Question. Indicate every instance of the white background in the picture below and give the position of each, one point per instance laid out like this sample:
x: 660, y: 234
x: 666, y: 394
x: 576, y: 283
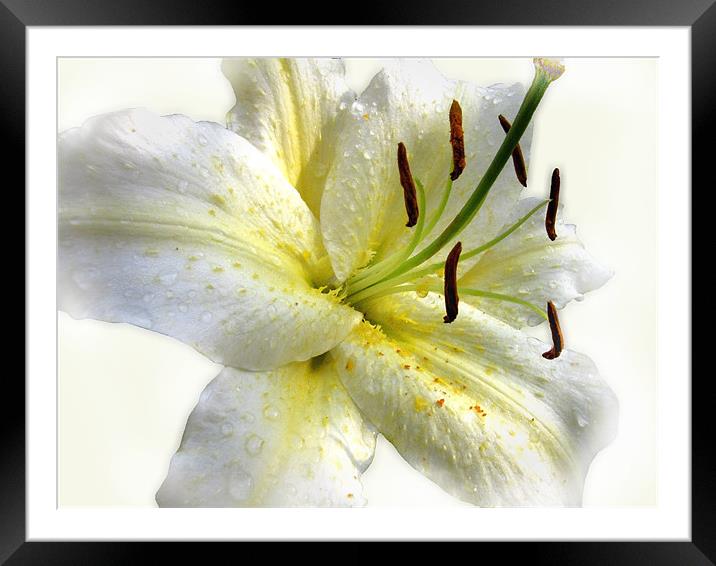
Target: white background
x: 124, y: 393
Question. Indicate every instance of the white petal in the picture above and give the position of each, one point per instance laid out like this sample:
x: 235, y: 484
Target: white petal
x: 287, y: 438
x: 189, y: 230
x: 474, y: 406
x: 531, y: 267
x: 288, y: 109
x: 409, y: 101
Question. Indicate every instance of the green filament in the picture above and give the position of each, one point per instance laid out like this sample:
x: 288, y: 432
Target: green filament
x: 366, y: 292
x: 461, y: 291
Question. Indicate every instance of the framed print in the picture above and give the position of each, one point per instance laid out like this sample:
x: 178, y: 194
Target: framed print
x: 286, y: 270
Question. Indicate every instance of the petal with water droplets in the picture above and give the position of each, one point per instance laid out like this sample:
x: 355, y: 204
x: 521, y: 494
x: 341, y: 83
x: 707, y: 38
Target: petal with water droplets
x: 474, y: 406
x: 291, y: 437
x: 288, y: 108
x: 187, y: 229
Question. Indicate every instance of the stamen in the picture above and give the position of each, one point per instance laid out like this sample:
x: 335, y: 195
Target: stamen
x: 557, y: 339
x: 550, y: 220
x: 406, y: 181
x: 457, y: 140
x: 450, y: 288
x: 518, y: 160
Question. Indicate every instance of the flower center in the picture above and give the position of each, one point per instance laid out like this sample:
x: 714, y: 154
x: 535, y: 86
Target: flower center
x: 405, y: 270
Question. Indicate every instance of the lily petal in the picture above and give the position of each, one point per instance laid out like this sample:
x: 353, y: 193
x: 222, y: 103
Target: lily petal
x: 187, y: 229
x: 474, y: 406
x: 531, y: 267
x: 291, y: 437
x: 409, y: 102
x: 288, y: 109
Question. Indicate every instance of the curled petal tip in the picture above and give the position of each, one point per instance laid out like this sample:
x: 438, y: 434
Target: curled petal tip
x: 553, y: 68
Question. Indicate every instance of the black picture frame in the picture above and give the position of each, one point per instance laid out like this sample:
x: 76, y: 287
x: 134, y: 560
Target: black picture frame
x: 17, y: 15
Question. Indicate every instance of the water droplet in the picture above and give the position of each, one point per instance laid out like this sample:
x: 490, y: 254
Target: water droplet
x: 271, y: 413
x: 227, y: 429
x: 167, y: 278
x: 206, y: 317
x: 254, y: 444
x: 202, y: 140
x: 240, y: 485
x: 247, y: 417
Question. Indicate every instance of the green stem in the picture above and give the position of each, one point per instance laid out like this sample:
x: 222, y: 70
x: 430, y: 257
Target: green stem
x: 440, y: 209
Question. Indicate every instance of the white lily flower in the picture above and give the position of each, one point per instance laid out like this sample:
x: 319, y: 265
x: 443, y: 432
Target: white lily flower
x: 280, y: 250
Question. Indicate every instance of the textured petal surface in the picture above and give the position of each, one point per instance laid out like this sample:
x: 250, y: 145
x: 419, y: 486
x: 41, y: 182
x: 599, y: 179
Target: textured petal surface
x: 288, y: 109
x: 530, y: 266
x: 187, y: 229
x: 409, y: 101
x: 474, y: 406
x: 287, y: 438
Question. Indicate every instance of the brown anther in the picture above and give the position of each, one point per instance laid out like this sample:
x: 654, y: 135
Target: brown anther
x: 450, y: 287
x: 557, y: 339
x: 550, y: 220
x: 518, y: 160
x: 457, y: 140
x: 406, y: 181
